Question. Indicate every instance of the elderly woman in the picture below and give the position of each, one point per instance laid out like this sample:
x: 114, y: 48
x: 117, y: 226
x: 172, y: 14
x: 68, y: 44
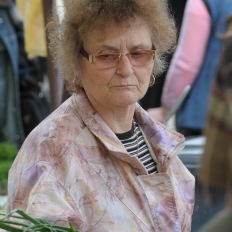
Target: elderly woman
x: 99, y: 160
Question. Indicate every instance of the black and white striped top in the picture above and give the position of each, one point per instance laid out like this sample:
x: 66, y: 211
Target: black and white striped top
x: 136, y: 146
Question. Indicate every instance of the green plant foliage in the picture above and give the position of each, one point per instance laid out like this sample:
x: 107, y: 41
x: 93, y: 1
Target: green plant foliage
x: 4, y: 168
x: 8, y: 152
x: 19, y: 221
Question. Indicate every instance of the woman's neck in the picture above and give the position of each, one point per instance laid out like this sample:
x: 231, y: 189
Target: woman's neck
x: 120, y: 119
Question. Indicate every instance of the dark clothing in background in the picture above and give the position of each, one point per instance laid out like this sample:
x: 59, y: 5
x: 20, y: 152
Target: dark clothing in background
x: 11, y: 127
x: 153, y: 96
x: 22, y: 101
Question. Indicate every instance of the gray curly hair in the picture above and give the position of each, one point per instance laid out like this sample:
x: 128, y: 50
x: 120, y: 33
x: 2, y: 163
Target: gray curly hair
x: 81, y: 16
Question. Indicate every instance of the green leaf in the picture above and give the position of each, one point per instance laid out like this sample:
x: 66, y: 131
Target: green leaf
x: 9, y: 228
x: 18, y: 220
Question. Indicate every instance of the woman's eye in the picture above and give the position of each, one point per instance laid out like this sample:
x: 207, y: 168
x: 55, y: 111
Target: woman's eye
x: 107, y: 56
x: 137, y: 54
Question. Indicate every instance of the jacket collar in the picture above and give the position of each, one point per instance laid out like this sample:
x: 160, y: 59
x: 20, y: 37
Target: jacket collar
x: 165, y: 142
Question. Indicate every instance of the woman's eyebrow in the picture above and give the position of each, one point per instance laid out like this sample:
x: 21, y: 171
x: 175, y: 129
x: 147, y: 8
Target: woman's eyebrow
x: 140, y: 46
x: 105, y: 47
x: 133, y: 47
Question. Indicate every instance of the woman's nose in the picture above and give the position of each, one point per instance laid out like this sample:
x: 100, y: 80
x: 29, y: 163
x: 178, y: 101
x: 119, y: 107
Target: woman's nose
x: 124, y: 66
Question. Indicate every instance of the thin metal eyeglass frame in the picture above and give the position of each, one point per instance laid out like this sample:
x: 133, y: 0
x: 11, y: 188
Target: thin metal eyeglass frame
x: 90, y: 58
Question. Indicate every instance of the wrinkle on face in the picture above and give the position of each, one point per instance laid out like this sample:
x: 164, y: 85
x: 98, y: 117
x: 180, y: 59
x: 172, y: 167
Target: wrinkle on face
x: 104, y: 86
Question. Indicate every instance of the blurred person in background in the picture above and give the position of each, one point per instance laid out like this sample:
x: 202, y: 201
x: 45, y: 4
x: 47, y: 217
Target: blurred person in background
x: 22, y: 98
x: 194, y: 63
x: 99, y: 160
x: 152, y: 97
x: 216, y: 168
x: 11, y: 126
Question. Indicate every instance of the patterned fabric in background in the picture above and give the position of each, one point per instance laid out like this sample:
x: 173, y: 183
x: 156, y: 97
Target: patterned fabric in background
x: 216, y: 168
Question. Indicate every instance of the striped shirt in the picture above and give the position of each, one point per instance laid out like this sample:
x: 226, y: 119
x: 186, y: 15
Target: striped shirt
x: 135, y: 145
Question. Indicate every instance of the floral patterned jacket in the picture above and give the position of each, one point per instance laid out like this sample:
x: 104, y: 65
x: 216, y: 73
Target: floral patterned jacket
x: 72, y: 167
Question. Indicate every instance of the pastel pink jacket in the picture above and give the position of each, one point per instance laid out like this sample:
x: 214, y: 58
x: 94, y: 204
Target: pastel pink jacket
x: 72, y: 167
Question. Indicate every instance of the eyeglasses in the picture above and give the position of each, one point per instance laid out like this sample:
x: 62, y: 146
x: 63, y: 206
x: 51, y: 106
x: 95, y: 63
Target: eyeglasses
x: 137, y: 58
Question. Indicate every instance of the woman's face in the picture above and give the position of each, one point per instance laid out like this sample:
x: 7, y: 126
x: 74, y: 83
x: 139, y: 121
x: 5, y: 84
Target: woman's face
x: 124, y: 84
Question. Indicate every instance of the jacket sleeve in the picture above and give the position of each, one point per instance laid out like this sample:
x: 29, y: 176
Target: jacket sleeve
x: 183, y: 183
x: 35, y: 188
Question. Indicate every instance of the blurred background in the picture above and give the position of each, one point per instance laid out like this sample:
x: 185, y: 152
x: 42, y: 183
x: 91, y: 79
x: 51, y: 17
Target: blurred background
x: 31, y: 88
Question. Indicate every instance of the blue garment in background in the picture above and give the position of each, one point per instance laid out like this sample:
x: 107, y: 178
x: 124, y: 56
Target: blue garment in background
x: 193, y: 112
x: 11, y: 127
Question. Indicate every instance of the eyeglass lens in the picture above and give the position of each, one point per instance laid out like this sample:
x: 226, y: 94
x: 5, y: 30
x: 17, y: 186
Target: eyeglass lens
x: 138, y: 58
